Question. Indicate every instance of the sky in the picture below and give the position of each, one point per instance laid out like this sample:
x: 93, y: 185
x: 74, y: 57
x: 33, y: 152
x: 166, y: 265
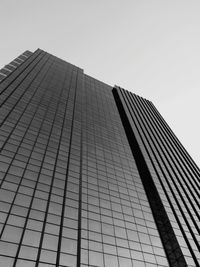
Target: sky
x: 149, y: 47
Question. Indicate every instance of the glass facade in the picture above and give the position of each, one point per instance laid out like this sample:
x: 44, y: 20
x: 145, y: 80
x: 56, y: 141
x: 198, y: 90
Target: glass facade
x: 173, y: 173
x: 74, y: 156
x: 8, y: 69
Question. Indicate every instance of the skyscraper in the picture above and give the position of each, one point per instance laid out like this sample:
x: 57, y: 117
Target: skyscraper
x: 91, y: 175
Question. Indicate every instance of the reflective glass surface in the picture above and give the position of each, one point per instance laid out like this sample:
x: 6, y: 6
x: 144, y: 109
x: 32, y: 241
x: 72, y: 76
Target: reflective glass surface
x: 70, y: 189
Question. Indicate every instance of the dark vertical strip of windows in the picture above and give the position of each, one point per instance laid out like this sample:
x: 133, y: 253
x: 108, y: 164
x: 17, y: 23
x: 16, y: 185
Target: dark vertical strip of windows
x: 75, y: 74
x: 55, y: 165
x: 78, y: 263
x: 170, y: 243
x: 80, y: 205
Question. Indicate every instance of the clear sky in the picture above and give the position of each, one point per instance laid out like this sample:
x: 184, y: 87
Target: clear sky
x: 150, y: 47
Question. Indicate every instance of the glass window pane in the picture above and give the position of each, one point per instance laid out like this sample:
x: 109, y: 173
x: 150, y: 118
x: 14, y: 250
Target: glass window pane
x: 12, y: 234
x: 69, y: 246
x: 95, y: 258
x: 5, y: 261
x: 111, y: 261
